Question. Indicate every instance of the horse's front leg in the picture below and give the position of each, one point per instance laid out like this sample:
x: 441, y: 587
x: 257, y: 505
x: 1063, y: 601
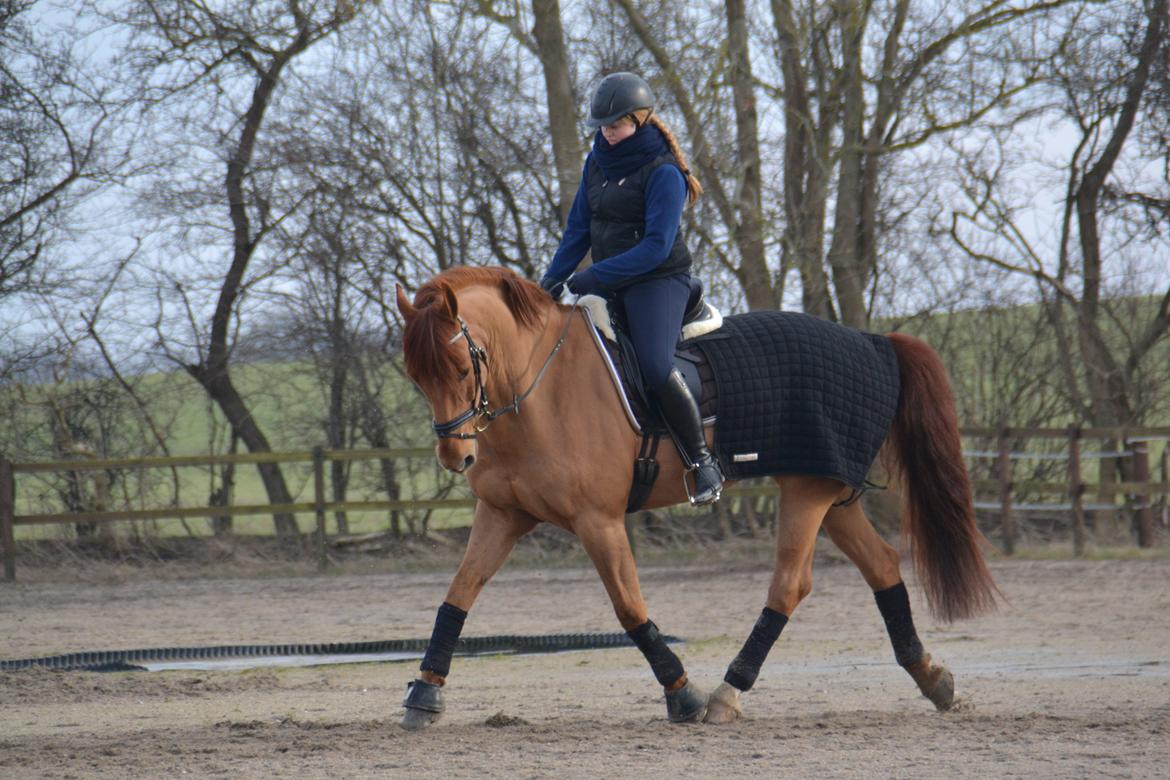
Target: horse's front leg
x: 494, y: 533
x: 607, y: 545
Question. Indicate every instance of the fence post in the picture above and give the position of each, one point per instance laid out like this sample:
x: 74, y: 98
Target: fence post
x: 1165, y: 484
x: 1141, y: 473
x: 1076, y: 489
x: 7, y: 518
x: 319, y: 505
x: 1007, y: 522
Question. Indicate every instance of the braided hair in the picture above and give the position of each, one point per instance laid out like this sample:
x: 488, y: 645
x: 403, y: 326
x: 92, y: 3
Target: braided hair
x: 647, y: 116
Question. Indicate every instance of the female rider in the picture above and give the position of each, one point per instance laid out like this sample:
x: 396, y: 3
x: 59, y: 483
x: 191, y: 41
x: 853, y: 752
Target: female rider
x: 627, y: 211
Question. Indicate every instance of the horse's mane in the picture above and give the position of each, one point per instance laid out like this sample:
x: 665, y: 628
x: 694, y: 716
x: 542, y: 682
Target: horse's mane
x: 425, y: 341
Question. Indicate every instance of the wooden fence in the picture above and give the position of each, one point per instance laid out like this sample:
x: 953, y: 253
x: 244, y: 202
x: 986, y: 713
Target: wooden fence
x: 1071, y: 490
x: 320, y: 505
x: 1068, y: 494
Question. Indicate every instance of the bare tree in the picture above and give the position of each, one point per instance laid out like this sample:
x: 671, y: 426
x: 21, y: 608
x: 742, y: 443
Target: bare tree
x: 859, y: 83
x: 327, y: 309
x: 373, y: 213
x: 186, y: 50
x: 546, y: 40
x: 1101, y: 80
x: 54, y: 144
x: 69, y: 407
x: 749, y: 231
x: 436, y: 179
x: 562, y: 102
x: 1110, y: 383
x: 1107, y: 87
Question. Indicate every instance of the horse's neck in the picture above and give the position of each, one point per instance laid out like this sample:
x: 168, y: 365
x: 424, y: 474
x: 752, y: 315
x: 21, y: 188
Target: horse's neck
x: 575, y: 388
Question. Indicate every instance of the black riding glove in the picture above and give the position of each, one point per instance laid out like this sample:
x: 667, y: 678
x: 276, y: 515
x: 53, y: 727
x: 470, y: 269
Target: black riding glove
x: 553, y: 287
x: 584, y: 282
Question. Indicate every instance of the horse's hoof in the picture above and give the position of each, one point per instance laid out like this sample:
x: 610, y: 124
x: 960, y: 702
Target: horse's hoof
x: 688, y: 704
x: 723, y: 706
x: 424, y: 705
x: 942, y: 695
x: 935, y: 682
x: 417, y: 720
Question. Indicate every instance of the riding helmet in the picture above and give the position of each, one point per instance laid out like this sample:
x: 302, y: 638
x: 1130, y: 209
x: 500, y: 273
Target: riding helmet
x: 619, y: 94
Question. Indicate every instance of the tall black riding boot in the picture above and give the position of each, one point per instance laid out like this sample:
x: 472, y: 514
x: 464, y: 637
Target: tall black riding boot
x: 682, y: 415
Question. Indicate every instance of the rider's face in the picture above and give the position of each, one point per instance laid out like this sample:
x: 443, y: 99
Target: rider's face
x: 619, y: 131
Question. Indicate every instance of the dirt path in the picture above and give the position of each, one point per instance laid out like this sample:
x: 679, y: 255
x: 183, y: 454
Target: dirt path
x: 1071, y: 678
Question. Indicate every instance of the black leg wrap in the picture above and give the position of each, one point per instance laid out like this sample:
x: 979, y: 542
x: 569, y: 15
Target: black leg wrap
x: 894, y: 604
x: 448, y: 625
x: 665, y: 664
x: 745, y: 668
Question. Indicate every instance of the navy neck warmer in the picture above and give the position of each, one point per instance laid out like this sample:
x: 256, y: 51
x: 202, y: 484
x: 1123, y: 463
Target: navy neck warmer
x: 620, y: 160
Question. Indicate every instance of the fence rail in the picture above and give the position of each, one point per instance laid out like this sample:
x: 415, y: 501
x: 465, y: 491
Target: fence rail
x: 1070, y: 491
x: 1134, y: 453
x: 319, y: 506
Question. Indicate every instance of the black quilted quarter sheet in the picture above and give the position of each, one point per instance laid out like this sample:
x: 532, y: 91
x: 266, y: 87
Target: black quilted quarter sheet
x: 800, y: 395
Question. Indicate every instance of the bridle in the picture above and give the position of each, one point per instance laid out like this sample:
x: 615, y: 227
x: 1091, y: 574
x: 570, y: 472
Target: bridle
x: 480, y: 409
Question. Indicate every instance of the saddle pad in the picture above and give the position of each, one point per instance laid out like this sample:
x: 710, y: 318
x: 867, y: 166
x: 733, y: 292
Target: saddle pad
x: 800, y: 395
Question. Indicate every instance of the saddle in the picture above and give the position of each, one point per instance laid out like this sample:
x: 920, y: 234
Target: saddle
x: 700, y: 319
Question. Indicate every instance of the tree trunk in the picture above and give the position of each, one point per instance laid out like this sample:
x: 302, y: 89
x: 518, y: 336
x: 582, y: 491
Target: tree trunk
x: 338, y: 361
x: 806, y: 170
x: 373, y: 427
x: 749, y: 235
x: 872, y: 155
x: 221, y: 390
x: 221, y: 525
x: 212, y: 372
x: 1108, y: 383
x: 848, y: 279
x: 339, y: 482
x: 562, y: 108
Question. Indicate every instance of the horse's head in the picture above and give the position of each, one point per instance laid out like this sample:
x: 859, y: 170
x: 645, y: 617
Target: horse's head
x: 439, y: 362
x: 445, y: 353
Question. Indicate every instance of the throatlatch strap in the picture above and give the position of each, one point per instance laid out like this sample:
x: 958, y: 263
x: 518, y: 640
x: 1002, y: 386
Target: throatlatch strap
x: 745, y: 668
x: 668, y: 669
x: 894, y: 604
x: 448, y: 626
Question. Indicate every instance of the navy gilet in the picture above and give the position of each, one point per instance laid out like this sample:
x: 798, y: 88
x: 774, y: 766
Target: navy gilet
x: 618, y: 218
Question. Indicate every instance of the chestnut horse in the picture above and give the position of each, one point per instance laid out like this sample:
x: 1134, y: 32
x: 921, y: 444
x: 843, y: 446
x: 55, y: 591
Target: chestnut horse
x: 526, y: 411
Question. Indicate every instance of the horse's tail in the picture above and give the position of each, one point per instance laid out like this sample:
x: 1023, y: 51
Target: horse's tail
x: 940, y: 518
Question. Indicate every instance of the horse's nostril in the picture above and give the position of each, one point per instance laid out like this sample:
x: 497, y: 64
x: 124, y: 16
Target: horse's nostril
x: 470, y: 459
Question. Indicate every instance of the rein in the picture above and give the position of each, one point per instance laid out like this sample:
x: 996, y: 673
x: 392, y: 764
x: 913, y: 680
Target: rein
x: 480, y: 409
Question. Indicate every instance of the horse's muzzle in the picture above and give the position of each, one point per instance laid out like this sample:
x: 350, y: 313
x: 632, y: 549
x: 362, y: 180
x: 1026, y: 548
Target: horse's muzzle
x: 455, y: 462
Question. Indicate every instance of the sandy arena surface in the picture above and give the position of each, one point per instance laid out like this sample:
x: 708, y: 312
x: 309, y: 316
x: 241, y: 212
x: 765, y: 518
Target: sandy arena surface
x: 1071, y: 678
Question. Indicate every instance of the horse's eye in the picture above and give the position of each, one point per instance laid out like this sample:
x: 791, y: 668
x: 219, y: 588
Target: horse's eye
x: 463, y: 374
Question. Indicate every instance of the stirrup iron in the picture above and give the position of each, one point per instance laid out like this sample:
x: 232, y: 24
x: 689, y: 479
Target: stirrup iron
x: 692, y: 468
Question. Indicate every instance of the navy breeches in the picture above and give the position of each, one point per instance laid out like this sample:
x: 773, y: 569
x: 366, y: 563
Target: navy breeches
x: 654, y: 311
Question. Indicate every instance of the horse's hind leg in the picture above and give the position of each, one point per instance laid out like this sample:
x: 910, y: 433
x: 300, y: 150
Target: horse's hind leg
x: 852, y: 532
x: 803, y: 504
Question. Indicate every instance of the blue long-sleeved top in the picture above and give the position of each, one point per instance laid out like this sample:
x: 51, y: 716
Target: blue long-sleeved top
x: 666, y: 194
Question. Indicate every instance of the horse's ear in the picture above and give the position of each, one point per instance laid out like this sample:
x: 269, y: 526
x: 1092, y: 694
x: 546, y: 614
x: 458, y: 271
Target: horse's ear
x: 404, y: 304
x: 449, y: 301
